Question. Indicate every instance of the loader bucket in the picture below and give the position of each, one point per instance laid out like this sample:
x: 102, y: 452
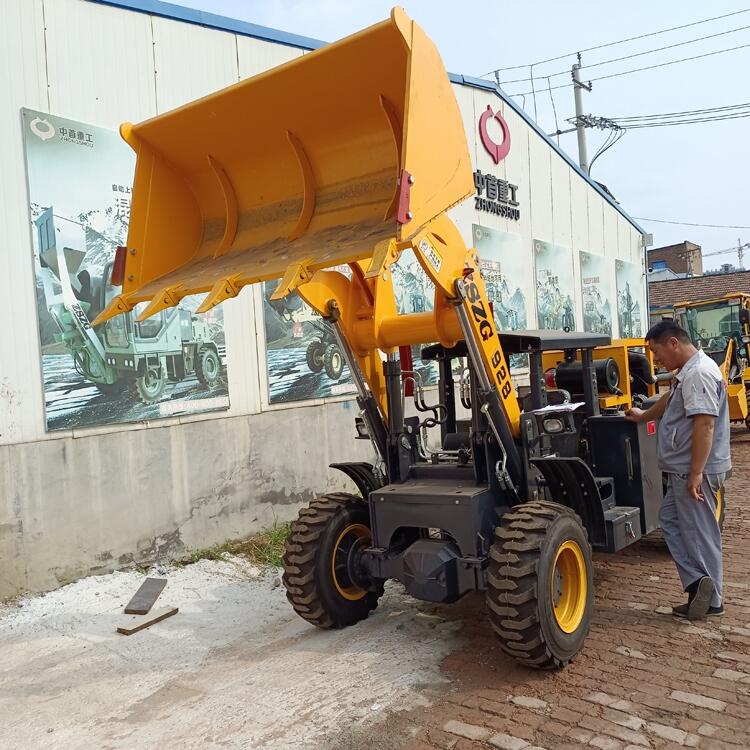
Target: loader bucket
x: 305, y: 166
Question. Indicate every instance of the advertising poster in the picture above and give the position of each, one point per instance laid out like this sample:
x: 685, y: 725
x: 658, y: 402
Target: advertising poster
x: 596, y: 293
x: 554, y: 286
x: 505, y: 270
x: 80, y: 179
x: 303, y: 359
x: 629, y: 278
x: 415, y: 293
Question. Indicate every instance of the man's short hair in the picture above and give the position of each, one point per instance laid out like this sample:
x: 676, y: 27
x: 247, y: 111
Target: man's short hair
x: 667, y: 329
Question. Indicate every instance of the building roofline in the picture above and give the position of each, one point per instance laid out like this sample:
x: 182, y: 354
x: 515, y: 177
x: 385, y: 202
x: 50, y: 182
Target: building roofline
x: 244, y: 28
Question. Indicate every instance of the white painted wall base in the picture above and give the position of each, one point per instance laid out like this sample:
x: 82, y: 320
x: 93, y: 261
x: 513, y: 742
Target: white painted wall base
x: 78, y: 506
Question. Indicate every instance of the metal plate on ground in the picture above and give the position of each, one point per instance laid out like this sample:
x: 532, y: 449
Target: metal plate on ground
x: 145, y: 597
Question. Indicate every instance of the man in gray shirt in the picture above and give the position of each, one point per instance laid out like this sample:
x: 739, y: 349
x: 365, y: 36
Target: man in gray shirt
x: 693, y: 452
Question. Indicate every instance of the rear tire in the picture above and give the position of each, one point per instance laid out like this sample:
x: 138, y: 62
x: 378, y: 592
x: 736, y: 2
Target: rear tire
x: 315, y: 572
x: 208, y: 367
x: 315, y: 352
x: 540, y: 584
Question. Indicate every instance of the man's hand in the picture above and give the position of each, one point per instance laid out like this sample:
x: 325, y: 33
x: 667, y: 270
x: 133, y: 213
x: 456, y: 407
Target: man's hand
x: 694, y: 481
x: 634, y: 415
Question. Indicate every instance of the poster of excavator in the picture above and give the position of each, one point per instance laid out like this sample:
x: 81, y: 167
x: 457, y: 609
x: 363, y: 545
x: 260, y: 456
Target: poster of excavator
x: 554, y: 287
x: 596, y: 291
x: 303, y: 359
x: 173, y: 363
x: 507, y: 278
x: 629, y: 279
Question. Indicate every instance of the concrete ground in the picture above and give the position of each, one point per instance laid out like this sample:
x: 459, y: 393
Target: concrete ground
x: 237, y: 669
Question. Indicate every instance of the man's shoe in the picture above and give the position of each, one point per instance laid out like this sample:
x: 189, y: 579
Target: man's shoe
x: 680, y: 611
x: 715, y: 611
x: 700, y: 603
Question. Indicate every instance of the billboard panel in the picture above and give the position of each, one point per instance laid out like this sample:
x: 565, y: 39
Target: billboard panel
x: 80, y: 179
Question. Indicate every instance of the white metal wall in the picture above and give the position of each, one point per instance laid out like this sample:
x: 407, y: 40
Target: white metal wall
x: 105, y: 65
x: 89, y: 500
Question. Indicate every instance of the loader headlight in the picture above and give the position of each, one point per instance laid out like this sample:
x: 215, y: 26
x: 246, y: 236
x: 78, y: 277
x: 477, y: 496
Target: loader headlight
x: 553, y: 425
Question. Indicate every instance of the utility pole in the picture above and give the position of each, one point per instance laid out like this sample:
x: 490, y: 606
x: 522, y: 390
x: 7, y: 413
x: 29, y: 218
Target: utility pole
x: 740, y: 253
x: 583, y: 159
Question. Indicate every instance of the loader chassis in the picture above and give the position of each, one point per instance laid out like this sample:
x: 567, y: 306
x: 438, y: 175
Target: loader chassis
x: 515, y: 493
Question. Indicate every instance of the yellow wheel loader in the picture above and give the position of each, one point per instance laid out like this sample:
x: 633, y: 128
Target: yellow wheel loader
x: 351, y: 155
x: 721, y: 327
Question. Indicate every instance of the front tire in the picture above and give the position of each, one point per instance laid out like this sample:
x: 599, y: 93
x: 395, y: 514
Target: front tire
x: 333, y: 362
x: 149, y: 387
x: 540, y: 591
x: 316, y: 574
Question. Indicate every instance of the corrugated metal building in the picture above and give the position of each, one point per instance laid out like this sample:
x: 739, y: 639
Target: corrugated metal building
x: 86, y: 500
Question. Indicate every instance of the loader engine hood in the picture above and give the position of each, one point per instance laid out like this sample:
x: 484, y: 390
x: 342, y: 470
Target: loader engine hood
x: 311, y: 163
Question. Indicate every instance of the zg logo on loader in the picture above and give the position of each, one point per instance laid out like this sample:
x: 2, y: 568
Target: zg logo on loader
x: 479, y: 312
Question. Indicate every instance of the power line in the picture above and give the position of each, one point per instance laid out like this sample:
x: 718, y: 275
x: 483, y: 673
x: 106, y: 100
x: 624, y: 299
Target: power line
x: 636, y: 54
x: 648, y: 67
x: 692, y: 224
x: 689, y: 121
x: 620, y: 41
x: 706, y: 110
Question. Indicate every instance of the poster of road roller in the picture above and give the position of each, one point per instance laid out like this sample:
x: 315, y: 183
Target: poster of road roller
x: 596, y: 292
x: 554, y: 286
x: 80, y: 182
x: 302, y: 357
x: 507, y: 278
x: 629, y: 280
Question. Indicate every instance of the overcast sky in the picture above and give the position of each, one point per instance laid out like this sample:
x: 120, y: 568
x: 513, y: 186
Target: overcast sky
x: 692, y: 173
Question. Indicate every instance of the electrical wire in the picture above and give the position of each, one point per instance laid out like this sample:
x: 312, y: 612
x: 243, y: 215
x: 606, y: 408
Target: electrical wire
x: 554, y: 110
x: 636, y: 54
x: 649, y: 67
x: 620, y: 41
x: 611, y: 140
x: 689, y: 121
x: 691, y: 224
x: 705, y: 110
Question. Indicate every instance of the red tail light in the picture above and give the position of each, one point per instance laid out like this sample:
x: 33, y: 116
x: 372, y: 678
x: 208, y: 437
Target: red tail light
x: 118, y: 267
x: 549, y: 378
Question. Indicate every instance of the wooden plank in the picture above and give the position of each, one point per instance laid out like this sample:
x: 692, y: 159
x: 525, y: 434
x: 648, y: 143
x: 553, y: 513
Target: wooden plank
x: 145, y: 597
x: 138, y: 623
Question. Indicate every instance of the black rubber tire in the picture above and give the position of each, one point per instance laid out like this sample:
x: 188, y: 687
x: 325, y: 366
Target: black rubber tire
x: 333, y: 361
x: 315, y: 353
x: 307, y: 562
x: 747, y: 422
x: 111, y: 390
x: 208, y: 367
x: 148, y: 388
x: 522, y: 557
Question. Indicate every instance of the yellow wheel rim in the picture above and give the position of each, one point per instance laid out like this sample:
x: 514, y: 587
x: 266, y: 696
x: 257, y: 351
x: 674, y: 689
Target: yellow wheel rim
x: 569, y: 586
x: 344, y: 585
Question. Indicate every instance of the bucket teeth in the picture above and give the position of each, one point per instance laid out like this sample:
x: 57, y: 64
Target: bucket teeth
x: 295, y: 274
x: 168, y: 297
x: 223, y: 289
x: 120, y: 304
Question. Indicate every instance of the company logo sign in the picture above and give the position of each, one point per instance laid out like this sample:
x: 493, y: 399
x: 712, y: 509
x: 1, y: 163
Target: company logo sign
x: 498, y: 151
x: 43, y: 129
